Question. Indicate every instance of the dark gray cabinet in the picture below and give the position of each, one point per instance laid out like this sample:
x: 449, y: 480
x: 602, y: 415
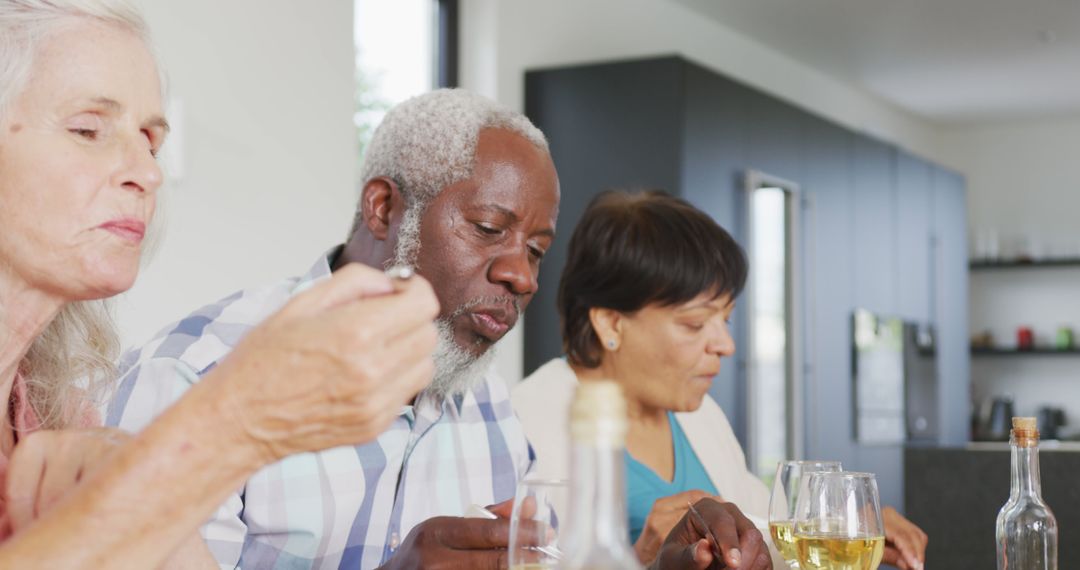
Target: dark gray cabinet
x: 914, y: 237
x: 882, y: 229
x: 950, y: 304
x: 873, y: 226
x: 829, y: 268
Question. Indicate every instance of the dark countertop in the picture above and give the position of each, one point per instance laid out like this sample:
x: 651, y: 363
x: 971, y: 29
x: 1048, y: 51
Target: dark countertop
x: 954, y: 494
x: 1052, y: 446
x: 1044, y: 446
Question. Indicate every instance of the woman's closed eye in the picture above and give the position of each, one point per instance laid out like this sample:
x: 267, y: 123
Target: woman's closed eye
x: 89, y: 134
x: 152, y: 142
x: 87, y: 126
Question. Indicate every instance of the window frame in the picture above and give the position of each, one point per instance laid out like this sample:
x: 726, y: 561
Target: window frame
x: 447, y: 28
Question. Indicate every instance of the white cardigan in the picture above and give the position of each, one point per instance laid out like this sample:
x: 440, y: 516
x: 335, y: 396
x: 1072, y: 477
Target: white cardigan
x: 542, y: 401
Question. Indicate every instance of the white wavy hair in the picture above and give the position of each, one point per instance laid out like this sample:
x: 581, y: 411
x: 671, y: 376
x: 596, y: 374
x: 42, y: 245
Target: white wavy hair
x: 425, y: 145
x: 70, y: 365
x: 428, y: 143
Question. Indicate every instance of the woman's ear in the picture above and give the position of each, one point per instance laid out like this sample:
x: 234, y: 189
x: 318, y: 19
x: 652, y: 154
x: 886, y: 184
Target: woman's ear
x: 608, y: 324
x: 378, y: 200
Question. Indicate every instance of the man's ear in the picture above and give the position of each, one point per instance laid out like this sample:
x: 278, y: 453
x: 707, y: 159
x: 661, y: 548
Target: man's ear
x: 379, y: 201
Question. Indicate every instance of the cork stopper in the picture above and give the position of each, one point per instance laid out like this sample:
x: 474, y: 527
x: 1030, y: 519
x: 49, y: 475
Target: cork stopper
x: 1025, y: 432
x: 1026, y: 424
x: 598, y: 414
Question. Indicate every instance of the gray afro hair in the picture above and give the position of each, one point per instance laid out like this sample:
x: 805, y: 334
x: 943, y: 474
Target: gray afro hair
x: 429, y: 142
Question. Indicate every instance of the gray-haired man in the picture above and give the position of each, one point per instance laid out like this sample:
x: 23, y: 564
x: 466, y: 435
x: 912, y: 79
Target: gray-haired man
x: 464, y: 191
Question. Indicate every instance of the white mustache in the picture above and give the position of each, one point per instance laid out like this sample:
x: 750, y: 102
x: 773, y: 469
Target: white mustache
x: 506, y: 300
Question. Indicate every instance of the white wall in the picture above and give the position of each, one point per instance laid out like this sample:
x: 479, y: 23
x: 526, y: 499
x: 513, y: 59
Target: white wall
x: 1024, y: 179
x: 268, y: 149
x: 501, y: 39
x: 1024, y: 187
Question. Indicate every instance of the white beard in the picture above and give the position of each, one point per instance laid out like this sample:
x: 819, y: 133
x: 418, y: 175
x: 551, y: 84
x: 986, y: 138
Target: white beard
x: 456, y: 370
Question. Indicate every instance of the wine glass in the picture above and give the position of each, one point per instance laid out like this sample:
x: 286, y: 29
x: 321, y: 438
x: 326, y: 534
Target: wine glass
x: 541, y: 503
x: 785, y: 492
x: 838, y: 522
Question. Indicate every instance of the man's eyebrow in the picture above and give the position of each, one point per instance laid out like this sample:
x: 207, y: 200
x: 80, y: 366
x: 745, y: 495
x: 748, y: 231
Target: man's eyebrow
x: 112, y: 105
x: 497, y: 209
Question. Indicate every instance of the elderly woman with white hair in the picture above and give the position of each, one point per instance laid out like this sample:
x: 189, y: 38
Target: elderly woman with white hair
x: 80, y: 124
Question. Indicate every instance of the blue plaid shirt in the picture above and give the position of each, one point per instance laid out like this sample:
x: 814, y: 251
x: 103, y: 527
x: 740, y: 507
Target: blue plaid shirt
x: 347, y: 507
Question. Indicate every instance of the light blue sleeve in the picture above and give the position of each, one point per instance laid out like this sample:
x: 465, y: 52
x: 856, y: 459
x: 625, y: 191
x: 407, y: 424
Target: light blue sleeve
x: 147, y: 389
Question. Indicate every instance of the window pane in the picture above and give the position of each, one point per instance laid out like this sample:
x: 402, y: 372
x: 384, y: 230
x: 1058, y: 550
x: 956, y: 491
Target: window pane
x: 395, y: 57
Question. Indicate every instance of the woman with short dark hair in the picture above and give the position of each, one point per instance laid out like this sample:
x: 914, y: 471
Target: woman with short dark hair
x: 634, y: 250
x: 645, y: 297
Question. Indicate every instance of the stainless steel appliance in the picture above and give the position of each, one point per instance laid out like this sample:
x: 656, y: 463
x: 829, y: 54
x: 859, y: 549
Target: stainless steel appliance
x: 896, y: 380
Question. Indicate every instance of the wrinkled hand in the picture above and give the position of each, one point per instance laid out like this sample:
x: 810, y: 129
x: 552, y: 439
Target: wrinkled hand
x: 663, y: 517
x: 334, y: 366
x: 905, y: 543
x: 47, y: 464
x: 740, y: 542
x: 442, y: 543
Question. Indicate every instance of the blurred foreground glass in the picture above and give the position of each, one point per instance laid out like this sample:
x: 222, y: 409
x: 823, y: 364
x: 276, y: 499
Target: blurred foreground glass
x: 544, y: 501
x: 838, y: 522
x: 785, y: 493
x: 596, y: 535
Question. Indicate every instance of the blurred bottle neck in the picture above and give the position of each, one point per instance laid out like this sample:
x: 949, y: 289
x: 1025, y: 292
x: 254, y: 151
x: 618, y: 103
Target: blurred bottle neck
x: 598, y: 497
x: 1025, y: 470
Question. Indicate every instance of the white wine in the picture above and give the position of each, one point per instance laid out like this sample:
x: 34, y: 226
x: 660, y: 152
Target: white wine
x: 783, y: 536
x: 817, y: 552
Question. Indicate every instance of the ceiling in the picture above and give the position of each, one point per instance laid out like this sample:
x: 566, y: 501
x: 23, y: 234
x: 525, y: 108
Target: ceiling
x: 950, y: 61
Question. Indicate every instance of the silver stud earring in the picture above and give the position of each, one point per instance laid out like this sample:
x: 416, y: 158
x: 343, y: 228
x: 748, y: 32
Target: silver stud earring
x: 611, y: 344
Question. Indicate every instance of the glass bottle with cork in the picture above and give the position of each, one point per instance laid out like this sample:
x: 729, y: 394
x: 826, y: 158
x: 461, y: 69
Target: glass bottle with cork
x: 596, y: 537
x: 1026, y: 530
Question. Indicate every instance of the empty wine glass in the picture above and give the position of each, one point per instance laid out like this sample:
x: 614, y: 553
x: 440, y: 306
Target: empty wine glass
x: 838, y: 522
x: 785, y: 492
x: 540, y: 503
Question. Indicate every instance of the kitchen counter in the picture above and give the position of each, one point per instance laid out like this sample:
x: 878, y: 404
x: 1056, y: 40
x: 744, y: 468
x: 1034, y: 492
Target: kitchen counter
x: 954, y: 494
x: 1044, y: 446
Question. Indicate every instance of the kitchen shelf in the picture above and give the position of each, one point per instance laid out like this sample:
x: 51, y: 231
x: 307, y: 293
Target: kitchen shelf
x: 1031, y: 352
x: 1025, y: 264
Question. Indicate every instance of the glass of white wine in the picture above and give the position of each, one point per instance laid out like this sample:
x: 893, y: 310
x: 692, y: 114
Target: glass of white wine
x: 838, y: 522
x: 785, y: 493
x: 541, y: 504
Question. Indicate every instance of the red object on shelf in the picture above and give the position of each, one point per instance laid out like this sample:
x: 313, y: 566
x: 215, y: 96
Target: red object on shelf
x: 1025, y: 338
